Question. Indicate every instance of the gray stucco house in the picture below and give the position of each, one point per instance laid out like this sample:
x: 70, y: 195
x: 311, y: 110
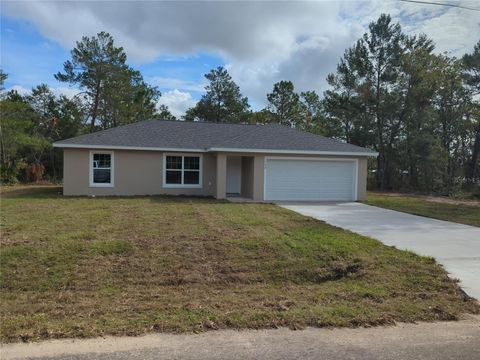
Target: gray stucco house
x: 259, y: 162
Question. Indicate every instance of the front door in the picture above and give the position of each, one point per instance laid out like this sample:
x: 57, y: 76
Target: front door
x: 234, y: 174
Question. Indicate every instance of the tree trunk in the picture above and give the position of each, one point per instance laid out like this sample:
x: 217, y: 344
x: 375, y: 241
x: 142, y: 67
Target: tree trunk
x: 52, y: 157
x: 472, y: 168
x: 381, y: 148
x: 2, y: 147
x: 95, y: 107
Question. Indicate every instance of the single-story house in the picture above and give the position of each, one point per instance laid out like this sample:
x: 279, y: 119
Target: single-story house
x: 259, y: 162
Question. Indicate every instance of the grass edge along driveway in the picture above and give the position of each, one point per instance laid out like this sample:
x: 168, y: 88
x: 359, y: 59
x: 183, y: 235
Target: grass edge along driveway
x: 462, y: 212
x: 84, y: 267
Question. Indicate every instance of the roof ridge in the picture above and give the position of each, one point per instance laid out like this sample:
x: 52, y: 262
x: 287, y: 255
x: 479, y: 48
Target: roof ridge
x: 209, y: 122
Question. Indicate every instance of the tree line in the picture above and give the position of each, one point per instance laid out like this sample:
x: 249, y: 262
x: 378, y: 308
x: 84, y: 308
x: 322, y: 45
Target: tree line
x: 390, y: 92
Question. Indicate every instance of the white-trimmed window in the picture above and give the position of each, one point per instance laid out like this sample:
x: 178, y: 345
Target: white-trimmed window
x: 101, y: 168
x: 182, y: 170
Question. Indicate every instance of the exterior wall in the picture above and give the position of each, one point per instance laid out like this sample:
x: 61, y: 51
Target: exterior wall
x: 135, y: 173
x: 258, y: 177
x: 362, y: 179
x: 221, y: 176
x: 247, y: 177
x: 141, y: 173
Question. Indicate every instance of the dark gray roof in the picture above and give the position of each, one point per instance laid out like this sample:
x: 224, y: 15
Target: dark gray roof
x: 205, y: 136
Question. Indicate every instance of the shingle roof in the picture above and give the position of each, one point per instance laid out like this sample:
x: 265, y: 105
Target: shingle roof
x: 205, y: 136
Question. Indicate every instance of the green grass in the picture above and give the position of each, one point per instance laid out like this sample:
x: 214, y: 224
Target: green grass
x: 461, y: 212
x: 82, y: 267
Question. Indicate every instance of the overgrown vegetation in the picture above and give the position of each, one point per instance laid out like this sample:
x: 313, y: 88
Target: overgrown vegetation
x: 79, y: 267
x: 460, y: 211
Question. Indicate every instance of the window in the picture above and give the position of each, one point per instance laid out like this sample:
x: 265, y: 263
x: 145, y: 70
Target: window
x: 101, y: 168
x: 182, y: 171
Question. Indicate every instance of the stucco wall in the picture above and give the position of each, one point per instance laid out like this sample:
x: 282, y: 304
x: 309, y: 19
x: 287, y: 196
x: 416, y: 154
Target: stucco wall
x: 362, y: 178
x: 135, y: 173
x: 221, y: 176
x: 140, y: 173
x: 247, y: 176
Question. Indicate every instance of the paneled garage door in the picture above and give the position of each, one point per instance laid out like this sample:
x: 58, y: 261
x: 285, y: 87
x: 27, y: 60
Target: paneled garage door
x: 323, y: 180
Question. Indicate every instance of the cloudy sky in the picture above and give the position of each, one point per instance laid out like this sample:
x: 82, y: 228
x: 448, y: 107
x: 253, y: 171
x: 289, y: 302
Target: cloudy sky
x: 174, y: 44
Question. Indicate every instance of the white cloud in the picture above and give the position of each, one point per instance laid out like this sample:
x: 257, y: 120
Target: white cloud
x: 67, y: 91
x: 19, y: 89
x: 57, y: 91
x: 180, y: 84
x: 177, y: 101
x: 261, y: 42
x: 452, y: 29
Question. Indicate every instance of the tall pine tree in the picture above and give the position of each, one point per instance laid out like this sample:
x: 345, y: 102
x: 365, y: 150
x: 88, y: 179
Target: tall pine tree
x: 222, y: 102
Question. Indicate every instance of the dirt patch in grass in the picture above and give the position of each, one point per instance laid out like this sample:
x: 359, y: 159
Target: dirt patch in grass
x: 82, y: 267
x: 461, y: 211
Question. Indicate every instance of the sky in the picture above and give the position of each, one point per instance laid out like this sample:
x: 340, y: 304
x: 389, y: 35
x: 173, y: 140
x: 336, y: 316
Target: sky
x: 174, y: 44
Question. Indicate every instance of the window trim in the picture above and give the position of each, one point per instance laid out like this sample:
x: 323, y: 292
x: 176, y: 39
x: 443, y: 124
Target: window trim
x: 182, y: 185
x: 112, y: 168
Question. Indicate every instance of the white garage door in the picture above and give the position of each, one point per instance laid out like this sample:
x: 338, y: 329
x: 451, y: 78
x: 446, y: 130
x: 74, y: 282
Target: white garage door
x: 310, y: 180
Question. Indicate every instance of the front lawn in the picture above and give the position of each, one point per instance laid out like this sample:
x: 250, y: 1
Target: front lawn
x: 78, y: 267
x: 463, y: 212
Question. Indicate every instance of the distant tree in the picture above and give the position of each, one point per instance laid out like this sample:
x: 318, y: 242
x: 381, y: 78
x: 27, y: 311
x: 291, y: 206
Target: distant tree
x: 452, y: 102
x: 418, y: 153
x: 312, y: 115
x: 191, y: 114
x: 95, y: 60
x: 284, y: 104
x: 472, y: 69
x: 126, y: 99
x: 55, y: 118
x: 17, y: 141
x: 43, y: 102
x: 261, y: 117
x: 471, y: 74
x: 114, y: 93
x: 164, y: 113
x: 392, y: 93
x: 28, y: 126
x: 222, y: 102
x: 365, y: 84
x: 3, y: 77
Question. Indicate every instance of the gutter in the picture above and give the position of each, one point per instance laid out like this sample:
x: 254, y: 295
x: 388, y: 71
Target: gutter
x: 216, y: 149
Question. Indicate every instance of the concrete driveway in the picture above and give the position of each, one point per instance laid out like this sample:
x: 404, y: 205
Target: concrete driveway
x: 456, y: 246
